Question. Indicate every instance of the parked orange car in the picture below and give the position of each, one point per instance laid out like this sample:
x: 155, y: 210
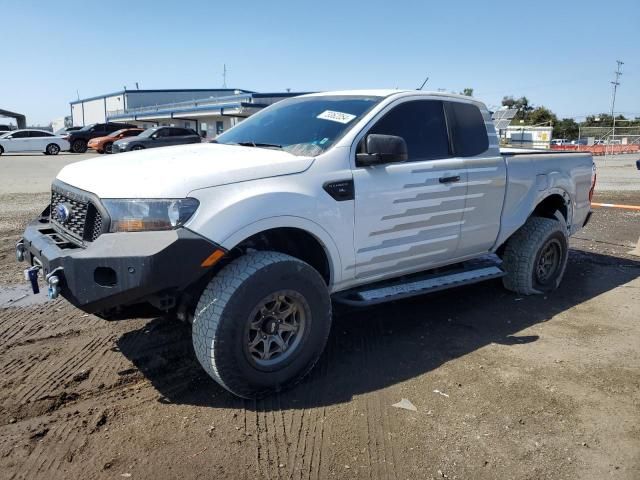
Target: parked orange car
x: 104, y: 144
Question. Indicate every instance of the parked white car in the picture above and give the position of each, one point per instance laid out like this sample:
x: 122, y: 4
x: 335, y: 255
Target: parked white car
x: 30, y: 140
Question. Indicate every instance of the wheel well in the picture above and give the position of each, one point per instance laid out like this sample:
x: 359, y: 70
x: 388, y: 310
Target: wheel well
x: 547, y: 208
x: 291, y: 241
x: 550, y: 205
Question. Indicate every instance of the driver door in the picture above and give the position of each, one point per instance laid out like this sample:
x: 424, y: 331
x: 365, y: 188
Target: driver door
x: 19, y: 142
x: 408, y: 215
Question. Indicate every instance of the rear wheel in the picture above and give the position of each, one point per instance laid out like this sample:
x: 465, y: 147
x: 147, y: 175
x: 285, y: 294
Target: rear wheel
x: 79, y: 146
x: 262, y: 323
x: 535, y: 257
x: 52, y: 149
x: 108, y: 147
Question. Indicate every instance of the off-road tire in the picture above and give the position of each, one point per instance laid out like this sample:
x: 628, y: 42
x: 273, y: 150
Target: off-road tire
x: 79, y: 146
x: 224, y: 310
x: 523, y: 253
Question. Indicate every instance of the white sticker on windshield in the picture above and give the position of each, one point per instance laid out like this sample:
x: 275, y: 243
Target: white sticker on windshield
x: 339, y: 117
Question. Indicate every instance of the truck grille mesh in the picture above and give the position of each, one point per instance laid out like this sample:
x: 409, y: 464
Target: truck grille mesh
x: 84, y: 221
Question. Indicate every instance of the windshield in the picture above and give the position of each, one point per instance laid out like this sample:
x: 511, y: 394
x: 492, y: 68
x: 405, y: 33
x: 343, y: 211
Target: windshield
x: 302, y: 126
x: 148, y: 132
x: 4, y: 134
x: 116, y: 133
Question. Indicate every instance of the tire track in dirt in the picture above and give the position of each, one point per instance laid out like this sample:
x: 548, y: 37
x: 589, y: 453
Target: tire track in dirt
x: 70, y: 364
x: 381, y: 448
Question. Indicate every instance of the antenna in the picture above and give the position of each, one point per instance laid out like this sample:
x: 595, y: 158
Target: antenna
x: 224, y: 76
x: 424, y: 83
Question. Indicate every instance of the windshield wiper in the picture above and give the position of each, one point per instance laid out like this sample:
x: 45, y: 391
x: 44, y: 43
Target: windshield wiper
x: 263, y: 145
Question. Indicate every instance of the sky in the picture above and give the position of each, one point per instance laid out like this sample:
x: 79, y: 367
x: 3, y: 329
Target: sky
x: 559, y: 54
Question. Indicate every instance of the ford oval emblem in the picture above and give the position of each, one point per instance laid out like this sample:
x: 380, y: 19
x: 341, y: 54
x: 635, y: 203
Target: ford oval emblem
x: 63, y: 212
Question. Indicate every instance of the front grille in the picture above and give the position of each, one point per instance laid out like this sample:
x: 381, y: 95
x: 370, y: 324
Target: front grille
x: 83, y: 222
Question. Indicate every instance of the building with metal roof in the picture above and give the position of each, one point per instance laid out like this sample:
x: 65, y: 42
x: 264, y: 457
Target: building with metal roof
x: 208, y: 111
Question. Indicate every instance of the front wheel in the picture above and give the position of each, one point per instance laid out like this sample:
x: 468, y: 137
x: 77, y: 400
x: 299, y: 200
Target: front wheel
x: 535, y: 257
x: 262, y: 323
x: 52, y: 149
x: 79, y: 146
x: 108, y: 148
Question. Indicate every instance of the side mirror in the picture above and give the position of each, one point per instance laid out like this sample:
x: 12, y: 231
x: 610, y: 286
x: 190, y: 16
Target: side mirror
x: 382, y: 149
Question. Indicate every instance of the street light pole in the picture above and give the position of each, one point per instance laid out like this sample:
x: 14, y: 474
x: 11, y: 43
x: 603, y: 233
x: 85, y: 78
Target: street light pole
x: 615, y: 84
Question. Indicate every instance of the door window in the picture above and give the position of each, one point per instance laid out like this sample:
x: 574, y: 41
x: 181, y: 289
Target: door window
x: 467, y: 127
x: 35, y: 134
x: 20, y: 135
x: 422, y: 125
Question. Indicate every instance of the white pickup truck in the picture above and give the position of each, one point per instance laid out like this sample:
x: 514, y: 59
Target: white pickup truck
x: 357, y: 197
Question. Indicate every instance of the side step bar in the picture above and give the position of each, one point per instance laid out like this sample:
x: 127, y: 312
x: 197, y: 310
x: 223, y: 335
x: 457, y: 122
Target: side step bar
x: 420, y: 284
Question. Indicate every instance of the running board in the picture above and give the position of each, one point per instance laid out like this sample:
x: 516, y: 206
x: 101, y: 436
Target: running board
x: 420, y: 284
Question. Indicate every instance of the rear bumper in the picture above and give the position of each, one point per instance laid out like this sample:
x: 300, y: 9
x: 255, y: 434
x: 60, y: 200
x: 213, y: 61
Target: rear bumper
x: 119, y: 269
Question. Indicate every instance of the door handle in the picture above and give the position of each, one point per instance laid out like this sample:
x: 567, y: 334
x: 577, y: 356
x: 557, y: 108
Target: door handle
x: 455, y: 178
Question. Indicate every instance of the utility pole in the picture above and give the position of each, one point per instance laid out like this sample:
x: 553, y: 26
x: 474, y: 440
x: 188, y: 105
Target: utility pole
x: 224, y: 76
x: 615, y: 84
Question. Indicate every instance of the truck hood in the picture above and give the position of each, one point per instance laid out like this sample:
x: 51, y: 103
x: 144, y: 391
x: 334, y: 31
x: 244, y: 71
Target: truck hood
x: 173, y: 172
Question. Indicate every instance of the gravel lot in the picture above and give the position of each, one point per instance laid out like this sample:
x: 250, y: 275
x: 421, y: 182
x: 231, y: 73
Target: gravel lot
x: 504, y: 386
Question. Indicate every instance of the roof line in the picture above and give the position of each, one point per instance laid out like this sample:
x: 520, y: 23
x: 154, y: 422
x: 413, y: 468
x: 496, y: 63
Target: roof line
x: 172, y: 90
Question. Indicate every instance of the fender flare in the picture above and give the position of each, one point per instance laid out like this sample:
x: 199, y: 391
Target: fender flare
x: 566, y: 196
x: 291, y: 221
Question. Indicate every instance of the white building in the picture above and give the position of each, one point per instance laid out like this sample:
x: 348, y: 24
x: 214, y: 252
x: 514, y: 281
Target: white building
x: 528, y: 136
x: 208, y: 111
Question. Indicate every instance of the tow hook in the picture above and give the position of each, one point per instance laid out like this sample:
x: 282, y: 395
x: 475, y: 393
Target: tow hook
x: 54, y: 281
x: 20, y: 251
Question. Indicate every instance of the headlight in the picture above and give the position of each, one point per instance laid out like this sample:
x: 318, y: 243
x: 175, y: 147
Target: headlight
x: 147, y: 215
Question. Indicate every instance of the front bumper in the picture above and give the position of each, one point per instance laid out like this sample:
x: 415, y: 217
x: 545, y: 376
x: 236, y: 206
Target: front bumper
x: 119, y: 269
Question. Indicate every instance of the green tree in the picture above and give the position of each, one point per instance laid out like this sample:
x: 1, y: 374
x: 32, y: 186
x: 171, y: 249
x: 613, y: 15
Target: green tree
x: 467, y: 91
x: 566, y: 128
x: 521, y: 104
x: 540, y: 115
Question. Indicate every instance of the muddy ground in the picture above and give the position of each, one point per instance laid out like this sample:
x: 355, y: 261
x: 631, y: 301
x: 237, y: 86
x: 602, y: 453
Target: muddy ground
x: 504, y: 386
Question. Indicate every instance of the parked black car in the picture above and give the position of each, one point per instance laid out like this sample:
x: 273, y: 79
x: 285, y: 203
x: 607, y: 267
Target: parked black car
x: 156, y: 137
x: 66, y: 130
x: 78, y: 139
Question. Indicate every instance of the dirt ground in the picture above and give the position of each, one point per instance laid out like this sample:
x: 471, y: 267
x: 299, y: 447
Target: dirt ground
x: 504, y: 386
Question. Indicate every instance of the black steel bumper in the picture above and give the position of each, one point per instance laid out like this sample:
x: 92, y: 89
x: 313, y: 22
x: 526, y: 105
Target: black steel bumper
x: 118, y: 269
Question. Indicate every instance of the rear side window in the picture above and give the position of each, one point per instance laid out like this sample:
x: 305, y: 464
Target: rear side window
x: 468, y: 131
x: 20, y: 135
x: 39, y: 134
x: 422, y: 125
